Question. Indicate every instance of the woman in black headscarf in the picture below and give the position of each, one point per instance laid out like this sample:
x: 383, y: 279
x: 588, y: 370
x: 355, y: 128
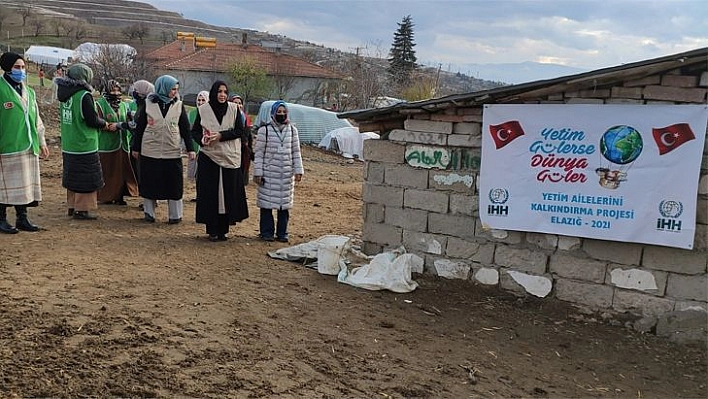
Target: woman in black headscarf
x: 221, y: 197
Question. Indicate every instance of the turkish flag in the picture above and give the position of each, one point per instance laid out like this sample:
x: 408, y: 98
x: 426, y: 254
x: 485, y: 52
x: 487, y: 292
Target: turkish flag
x: 670, y: 137
x: 505, y: 133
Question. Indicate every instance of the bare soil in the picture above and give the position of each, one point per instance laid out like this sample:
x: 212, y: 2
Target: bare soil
x: 121, y: 308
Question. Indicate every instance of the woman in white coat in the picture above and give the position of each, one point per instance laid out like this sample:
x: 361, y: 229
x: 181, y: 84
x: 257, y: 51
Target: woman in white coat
x: 277, y: 166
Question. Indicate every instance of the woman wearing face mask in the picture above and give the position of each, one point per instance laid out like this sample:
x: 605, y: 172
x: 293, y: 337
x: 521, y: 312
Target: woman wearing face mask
x: 114, y: 148
x: 277, y: 166
x: 21, y: 145
x: 160, y: 126
x: 80, y: 123
x: 221, y: 196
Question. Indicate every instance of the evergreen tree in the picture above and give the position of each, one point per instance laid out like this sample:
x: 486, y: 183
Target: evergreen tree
x: 402, y: 60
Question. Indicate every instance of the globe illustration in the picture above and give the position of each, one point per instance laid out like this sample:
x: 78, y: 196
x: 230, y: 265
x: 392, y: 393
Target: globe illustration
x: 621, y: 144
x: 498, y: 195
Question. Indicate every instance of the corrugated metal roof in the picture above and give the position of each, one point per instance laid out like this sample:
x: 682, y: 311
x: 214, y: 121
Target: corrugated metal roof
x: 531, y: 90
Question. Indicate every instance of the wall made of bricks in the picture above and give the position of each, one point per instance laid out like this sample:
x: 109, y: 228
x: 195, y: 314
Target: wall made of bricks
x: 421, y: 191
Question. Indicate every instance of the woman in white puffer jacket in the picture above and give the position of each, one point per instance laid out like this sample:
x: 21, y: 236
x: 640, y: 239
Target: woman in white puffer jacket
x: 277, y: 166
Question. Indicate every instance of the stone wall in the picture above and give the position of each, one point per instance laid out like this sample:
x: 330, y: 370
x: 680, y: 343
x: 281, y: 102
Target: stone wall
x: 413, y: 197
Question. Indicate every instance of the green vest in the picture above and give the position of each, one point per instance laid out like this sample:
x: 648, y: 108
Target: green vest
x: 192, y: 116
x: 76, y: 136
x: 18, y: 122
x: 113, y: 141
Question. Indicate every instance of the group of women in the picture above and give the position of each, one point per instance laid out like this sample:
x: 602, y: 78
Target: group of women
x: 112, y: 148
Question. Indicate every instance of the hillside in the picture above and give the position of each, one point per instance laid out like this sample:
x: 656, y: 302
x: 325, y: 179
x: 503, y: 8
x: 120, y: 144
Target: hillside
x: 68, y: 23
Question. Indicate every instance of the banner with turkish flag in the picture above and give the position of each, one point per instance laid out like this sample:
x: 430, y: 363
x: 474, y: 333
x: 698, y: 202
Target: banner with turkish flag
x: 600, y: 171
x: 671, y: 137
x: 505, y: 133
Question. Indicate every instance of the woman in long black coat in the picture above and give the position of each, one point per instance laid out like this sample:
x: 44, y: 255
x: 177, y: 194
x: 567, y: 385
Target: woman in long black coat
x: 221, y: 196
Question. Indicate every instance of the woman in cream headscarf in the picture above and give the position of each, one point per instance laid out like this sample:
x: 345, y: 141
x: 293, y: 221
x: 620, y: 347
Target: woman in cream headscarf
x: 160, y: 126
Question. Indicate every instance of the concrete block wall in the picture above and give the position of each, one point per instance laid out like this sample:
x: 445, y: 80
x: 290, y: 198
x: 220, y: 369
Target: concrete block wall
x: 421, y: 191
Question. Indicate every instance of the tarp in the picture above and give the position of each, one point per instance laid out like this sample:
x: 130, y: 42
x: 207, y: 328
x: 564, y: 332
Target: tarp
x: 49, y: 55
x: 88, y: 52
x: 347, y: 141
x: 312, y: 123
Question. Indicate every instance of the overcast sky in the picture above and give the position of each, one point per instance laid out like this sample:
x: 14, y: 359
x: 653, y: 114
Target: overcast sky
x: 582, y: 33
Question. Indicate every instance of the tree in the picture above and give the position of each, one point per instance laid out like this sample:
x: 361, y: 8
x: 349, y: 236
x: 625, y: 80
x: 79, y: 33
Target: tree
x: 136, y: 31
x: 402, y: 60
x: 4, y: 14
x: 37, y: 25
x: 249, y: 79
x: 25, y: 13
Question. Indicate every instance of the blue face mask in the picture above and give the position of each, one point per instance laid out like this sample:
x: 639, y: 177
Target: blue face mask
x: 18, y: 75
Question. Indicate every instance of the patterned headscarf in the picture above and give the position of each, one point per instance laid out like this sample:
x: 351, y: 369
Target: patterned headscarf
x: 163, y: 86
x: 274, y: 110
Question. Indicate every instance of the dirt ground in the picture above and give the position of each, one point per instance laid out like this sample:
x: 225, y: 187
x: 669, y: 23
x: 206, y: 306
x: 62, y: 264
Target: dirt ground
x: 121, y: 308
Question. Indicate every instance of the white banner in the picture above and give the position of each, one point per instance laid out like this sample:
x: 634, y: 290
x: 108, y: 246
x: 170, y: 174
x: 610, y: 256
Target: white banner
x: 612, y: 172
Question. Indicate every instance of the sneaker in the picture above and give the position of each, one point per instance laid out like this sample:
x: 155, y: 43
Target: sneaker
x: 174, y: 221
x: 282, y: 239
x: 269, y: 239
x: 149, y: 218
x: 213, y: 237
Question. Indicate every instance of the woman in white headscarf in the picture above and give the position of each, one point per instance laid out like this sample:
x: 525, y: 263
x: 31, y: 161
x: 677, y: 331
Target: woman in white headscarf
x: 202, y: 98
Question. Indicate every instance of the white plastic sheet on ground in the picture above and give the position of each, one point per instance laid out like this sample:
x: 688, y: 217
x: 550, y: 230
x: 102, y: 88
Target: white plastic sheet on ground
x: 385, y: 271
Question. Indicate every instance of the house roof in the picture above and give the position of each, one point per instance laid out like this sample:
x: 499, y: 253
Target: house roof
x: 697, y: 59
x: 183, y: 56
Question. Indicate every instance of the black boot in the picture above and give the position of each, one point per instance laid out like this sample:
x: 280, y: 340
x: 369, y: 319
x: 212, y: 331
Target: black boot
x: 6, y: 227
x: 84, y: 215
x: 22, y: 222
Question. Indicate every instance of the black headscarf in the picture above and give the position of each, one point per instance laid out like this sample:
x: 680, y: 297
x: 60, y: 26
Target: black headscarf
x: 218, y: 108
x: 7, y: 60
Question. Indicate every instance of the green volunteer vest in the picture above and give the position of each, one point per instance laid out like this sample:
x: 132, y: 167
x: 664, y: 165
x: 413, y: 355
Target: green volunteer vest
x: 113, y: 141
x: 18, y: 123
x: 76, y: 136
x: 192, y: 116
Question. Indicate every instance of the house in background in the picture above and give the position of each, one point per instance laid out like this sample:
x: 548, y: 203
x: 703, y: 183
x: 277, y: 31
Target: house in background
x: 197, y: 67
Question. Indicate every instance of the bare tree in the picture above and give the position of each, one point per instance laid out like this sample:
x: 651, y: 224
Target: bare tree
x: 166, y: 37
x: 80, y: 31
x: 112, y: 61
x: 57, y: 25
x: 282, y: 78
x: 4, y: 14
x: 37, y: 25
x: 136, y: 31
x: 25, y: 13
x: 364, y: 82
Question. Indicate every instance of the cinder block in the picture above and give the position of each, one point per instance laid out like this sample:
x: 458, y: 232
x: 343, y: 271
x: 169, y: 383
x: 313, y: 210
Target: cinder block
x: 374, y: 213
x: 521, y: 259
x: 371, y: 248
x: 406, y: 176
x: 703, y: 185
x: 674, y: 260
x: 462, y: 249
x: 464, y: 140
x: 386, y: 195
x: 626, y: 92
x: 407, y: 218
x: 692, y: 288
x: 649, y: 80
x: 496, y: 235
x: 584, y: 100
x: 384, y: 151
x: 595, y: 296
x: 417, y: 137
x: 615, y: 100
x: 464, y: 204
x: 415, y: 241
x: 374, y: 172
x: 382, y: 234
x: 702, y: 211
x: 700, y: 240
x: 677, y: 94
x: 543, y: 241
x: 470, y: 128
x: 641, y: 304
x: 566, y: 243
x: 429, y: 200
x: 573, y: 267
x: 679, y: 80
x: 617, y: 252
x: 451, y: 225
x: 428, y: 126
